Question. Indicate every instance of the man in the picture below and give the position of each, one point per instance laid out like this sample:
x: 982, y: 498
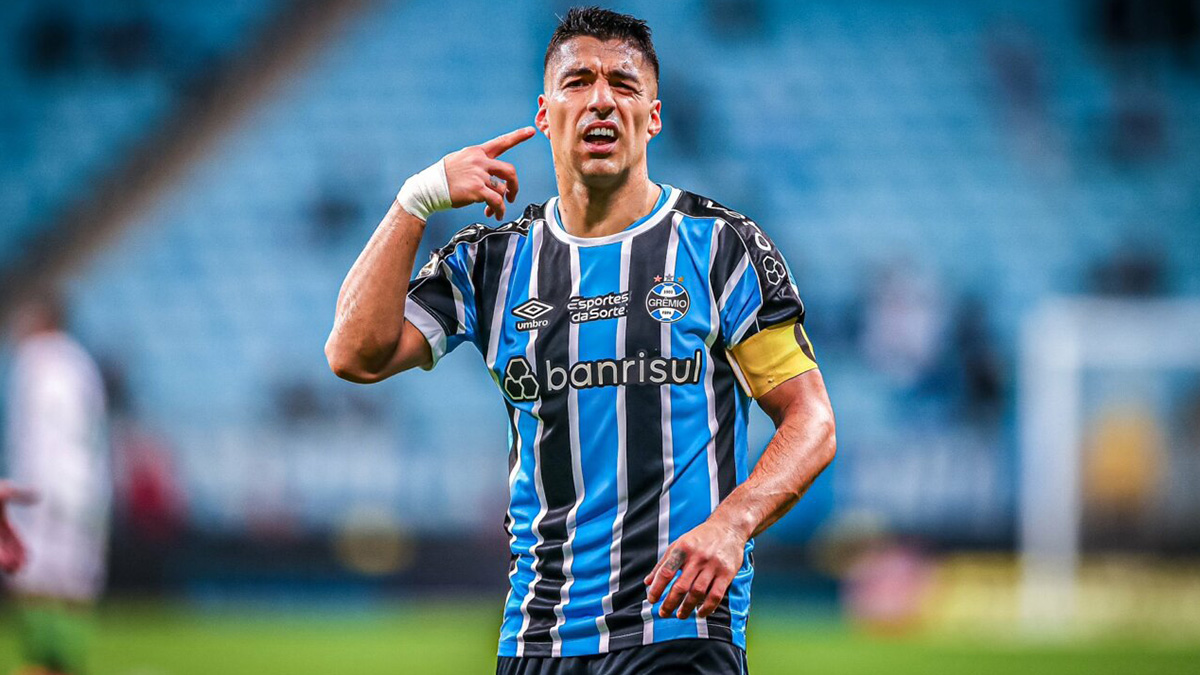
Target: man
x: 626, y: 323
x: 55, y: 446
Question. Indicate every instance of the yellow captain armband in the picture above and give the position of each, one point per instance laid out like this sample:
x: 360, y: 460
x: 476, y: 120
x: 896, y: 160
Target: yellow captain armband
x: 771, y: 357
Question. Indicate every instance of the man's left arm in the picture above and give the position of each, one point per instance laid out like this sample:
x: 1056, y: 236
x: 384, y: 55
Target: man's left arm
x: 708, y: 557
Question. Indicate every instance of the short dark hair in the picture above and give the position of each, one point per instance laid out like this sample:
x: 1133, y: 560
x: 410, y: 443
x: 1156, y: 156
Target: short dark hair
x: 603, y: 24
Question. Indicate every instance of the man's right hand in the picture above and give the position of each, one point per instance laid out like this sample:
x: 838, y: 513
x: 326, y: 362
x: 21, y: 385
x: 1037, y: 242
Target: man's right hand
x: 12, y: 550
x: 371, y: 340
x: 474, y: 174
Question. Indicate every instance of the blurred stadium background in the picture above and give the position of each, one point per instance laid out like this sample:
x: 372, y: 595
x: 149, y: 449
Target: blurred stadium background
x: 992, y: 210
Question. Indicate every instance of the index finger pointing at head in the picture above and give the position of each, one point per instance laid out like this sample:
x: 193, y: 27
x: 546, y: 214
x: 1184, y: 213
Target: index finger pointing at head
x: 501, y: 144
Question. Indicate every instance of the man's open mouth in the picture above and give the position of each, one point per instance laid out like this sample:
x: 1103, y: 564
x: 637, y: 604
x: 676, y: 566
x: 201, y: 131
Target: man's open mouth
x: 600, y: 138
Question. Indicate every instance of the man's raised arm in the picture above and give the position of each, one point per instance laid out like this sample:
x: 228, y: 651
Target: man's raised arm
x: 371, y: 340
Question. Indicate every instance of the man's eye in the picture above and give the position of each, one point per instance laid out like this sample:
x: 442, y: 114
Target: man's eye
x: 574, y: 83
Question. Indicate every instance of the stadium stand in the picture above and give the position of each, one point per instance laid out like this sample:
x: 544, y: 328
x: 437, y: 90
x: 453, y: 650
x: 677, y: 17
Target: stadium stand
x: 961, y: 152
x: 83, y: 83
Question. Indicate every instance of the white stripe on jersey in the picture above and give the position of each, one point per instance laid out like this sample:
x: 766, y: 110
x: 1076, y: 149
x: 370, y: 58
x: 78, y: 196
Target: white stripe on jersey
x: 734, y: 277
x: 512, y: 522
x: 535, y: 238
x: 742, y: 266
x: 429, y: 327
x: 668, y: 442
x: 730, y: 284
x: 714, y: 322
x: 498, y: 311
x: 618, y: 529
x: 460, y: 310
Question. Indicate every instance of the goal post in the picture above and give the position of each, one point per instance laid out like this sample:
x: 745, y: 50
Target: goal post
x: 1060, y: 341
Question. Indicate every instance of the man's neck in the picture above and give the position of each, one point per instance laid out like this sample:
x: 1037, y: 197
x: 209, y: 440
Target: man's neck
x: 598, y: 212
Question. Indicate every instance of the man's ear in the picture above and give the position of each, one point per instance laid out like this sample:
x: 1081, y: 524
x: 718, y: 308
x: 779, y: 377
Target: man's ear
x: 539, y: 120
x: 655, y: 119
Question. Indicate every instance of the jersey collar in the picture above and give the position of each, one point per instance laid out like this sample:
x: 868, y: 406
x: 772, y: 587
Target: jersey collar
x: 664, y: 206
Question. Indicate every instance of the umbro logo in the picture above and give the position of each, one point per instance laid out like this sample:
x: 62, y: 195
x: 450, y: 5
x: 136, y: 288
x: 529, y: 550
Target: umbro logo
x: 532, y: 311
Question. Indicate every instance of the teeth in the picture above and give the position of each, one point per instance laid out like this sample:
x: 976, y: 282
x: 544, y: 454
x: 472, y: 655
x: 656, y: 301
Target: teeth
x: 602, y: 131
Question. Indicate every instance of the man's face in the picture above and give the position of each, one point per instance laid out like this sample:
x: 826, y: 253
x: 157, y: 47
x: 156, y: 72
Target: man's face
x: 599, y: 109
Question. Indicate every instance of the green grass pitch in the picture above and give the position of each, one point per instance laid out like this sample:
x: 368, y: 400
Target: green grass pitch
x: 459, y: 638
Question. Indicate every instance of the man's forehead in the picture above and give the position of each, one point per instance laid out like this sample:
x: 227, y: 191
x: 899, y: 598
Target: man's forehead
x: 589, y: 52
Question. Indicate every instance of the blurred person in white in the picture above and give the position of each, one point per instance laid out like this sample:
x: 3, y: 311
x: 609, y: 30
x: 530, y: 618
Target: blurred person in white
x: 904, y: 324
x: 55, y: 445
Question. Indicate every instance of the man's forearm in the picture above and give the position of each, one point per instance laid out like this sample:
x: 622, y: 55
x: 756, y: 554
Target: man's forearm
x: 709, y: 556
x: 370, y: 307
x: 803, y: 445
x: 368, y: 341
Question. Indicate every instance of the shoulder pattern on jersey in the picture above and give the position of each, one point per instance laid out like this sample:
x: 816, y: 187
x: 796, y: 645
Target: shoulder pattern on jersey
x: 748, y: 231
x: 742, y: 238
x: 475, y: 233
x: 452, y: 295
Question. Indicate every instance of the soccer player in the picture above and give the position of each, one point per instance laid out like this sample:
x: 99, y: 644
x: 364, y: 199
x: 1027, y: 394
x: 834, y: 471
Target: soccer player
x: 627, y: 324
x: 56, y: 446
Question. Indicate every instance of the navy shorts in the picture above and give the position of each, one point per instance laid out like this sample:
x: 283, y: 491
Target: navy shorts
x: 674, y: 657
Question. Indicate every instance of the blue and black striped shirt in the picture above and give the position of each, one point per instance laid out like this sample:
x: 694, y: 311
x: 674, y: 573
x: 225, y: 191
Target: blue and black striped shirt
x: 627, y: 423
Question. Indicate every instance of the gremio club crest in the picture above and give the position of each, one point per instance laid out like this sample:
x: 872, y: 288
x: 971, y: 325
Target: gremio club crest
x: 668, y: 300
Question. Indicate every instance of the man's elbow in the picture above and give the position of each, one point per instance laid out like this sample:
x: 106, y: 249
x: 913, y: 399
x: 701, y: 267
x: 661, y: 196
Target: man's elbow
x: 828, y: 446
x: 348, y: 365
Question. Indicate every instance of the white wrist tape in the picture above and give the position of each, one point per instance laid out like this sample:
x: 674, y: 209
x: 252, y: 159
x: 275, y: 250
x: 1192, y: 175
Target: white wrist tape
x: 426, y: 192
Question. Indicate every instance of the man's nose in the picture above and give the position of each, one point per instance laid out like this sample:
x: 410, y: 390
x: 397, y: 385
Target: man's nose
x: 602, y: 102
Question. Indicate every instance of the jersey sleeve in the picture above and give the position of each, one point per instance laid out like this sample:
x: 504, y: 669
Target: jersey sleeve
x: 441, y: 297
x: 761, y: 313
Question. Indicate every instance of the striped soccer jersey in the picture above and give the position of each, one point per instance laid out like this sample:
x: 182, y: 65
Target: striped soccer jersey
x: 617, y: 358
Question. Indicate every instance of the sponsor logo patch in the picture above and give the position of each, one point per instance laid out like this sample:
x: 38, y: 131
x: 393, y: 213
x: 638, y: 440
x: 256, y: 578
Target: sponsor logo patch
x: 668, y: 300
x: 774, y: 270
x: 522, y: 384
x: 531, y: 311
x: 598, y: 307
x: 519, y: 382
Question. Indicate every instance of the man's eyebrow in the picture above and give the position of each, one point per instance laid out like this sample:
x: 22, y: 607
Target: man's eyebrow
x: 626, y: 75
x: 584, y: 70
x: 579, y: 70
